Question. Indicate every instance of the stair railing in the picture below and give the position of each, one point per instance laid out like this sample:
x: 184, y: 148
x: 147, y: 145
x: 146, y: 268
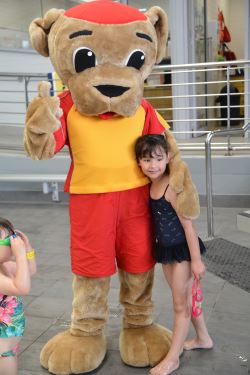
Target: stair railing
x: 209, y: 185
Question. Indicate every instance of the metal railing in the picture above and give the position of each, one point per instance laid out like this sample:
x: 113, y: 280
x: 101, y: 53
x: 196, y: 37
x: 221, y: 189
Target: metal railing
x: 49, y: 181
x: 201, y: 97
x: 195, y: 99
x: 209, y: 184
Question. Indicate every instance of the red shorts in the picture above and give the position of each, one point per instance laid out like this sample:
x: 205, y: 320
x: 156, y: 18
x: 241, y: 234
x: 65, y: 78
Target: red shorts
x: 110, y: 228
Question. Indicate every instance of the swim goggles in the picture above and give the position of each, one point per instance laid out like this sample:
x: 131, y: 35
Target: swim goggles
x: 6, y: 241
x: 197, y: 298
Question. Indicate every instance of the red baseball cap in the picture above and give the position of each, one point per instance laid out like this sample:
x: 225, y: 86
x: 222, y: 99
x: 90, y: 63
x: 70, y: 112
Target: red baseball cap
x: 105, y: 12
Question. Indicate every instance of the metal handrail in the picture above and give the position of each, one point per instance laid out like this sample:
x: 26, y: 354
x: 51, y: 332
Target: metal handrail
x: 223, y: 64
x: 28, y: 79
x: 49, y: 181
x: 209, y: 189
x: 156, y: 68
x: 31, y: 177
x: 200, y: 146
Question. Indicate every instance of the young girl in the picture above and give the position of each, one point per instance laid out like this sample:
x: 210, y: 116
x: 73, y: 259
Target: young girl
x: 14, y: 282
x: 177, y: 247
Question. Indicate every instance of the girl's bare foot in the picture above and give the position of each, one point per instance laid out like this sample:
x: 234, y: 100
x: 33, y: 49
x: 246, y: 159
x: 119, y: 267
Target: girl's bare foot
x: 198, y: 344
x: 165, y: 367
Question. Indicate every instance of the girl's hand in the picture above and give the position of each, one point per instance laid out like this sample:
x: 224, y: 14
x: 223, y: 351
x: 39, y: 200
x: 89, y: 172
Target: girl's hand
x: 17, y: 245
x: 198, y: 268
x: 24, y: 238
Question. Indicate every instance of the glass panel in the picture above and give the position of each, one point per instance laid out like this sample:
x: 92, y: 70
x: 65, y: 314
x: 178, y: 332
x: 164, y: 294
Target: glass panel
x: 146, y: 4
x: 60, y: 4
x: 16, y: 16
x: 200, y: 56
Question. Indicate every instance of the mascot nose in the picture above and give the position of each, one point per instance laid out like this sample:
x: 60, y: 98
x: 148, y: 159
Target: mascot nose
x: 111, y: 90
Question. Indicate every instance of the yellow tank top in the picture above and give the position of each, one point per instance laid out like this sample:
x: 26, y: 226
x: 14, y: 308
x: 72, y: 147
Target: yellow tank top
x: 103, y: 152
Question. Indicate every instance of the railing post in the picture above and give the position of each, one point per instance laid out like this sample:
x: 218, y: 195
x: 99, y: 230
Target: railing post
x: 209, y: 180
x: 26, y: 82
x: 228, y: 112
x: 51, y: 187
x: 210, y: 222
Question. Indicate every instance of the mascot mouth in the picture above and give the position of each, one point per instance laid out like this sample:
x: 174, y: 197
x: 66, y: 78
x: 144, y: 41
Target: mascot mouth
x: 107, y: 115
x: 111, y: 90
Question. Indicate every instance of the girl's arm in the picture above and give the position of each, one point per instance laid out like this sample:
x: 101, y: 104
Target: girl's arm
x: 9, y: 268
x: 29, y: 252
x: 19, y: 284
x: 197, y: 266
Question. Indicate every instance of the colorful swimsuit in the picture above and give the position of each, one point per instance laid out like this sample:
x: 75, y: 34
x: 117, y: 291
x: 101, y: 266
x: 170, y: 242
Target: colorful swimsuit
x: 12, y: 320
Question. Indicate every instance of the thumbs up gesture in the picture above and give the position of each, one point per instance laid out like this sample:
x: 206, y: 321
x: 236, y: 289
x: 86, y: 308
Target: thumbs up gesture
x: 42, y: 119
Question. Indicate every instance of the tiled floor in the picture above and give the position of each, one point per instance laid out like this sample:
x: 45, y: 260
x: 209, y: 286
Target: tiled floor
x: 48, y: 306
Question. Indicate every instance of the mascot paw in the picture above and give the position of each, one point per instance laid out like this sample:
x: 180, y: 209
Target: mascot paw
x: 176, y: 180
x: 146, y: 346
x: 176, y: 184
x: 67, y: 354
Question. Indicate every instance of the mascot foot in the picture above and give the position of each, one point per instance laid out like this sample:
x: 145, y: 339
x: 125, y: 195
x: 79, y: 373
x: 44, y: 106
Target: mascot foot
x: 146, y: 346
x: 66, y: 354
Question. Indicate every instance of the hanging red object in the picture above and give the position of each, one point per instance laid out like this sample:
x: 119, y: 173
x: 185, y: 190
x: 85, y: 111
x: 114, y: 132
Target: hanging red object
x: 224, y: 34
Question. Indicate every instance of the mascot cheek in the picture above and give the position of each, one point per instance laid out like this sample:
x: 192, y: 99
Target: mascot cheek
x: 87, y: 99
x: 128, y: 104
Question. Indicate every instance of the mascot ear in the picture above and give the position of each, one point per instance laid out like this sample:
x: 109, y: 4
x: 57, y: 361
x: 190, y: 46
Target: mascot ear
x: 39, y: 30
x: 159, y: 20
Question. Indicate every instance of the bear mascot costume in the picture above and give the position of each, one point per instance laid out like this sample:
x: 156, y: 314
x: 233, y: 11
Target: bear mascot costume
x: 103, y: 51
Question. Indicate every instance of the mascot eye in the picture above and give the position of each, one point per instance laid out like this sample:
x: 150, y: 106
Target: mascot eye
x: 136, y: 59
x: 83, y: 58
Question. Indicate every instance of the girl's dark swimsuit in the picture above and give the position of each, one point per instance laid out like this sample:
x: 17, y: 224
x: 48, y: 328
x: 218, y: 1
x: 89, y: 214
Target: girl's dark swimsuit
x: 170, y: 243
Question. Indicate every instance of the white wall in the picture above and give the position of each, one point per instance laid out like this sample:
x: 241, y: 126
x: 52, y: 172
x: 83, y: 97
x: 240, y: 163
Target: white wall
x: 17, y: 14
x: 23, y: 62
x: 13, y: 89
x: 140, y: 4
x: 237, y: 27
x: 234, y: 16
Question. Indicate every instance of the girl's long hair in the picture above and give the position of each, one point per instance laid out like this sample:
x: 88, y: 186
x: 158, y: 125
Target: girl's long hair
x: 6, y: 224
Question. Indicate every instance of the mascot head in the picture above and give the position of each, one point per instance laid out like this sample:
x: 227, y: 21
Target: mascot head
x: 103, y: 51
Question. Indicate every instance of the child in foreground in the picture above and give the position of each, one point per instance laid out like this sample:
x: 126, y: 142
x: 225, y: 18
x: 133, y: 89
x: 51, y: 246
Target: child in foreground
x: 15, y: 280
x: 177, y: 247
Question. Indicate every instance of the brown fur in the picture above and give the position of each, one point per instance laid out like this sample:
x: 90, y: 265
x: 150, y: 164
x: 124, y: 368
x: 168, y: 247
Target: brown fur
x: 138, y: 354
x: 110, y: 43
x: 187, y: 204
x: 142, y: 343
x: 138, y: 327
x: 38, y: 138
x: 90, y: 300
x: 73, y: 354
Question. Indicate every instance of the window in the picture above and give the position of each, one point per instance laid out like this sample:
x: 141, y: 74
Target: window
x: 16, y: 16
